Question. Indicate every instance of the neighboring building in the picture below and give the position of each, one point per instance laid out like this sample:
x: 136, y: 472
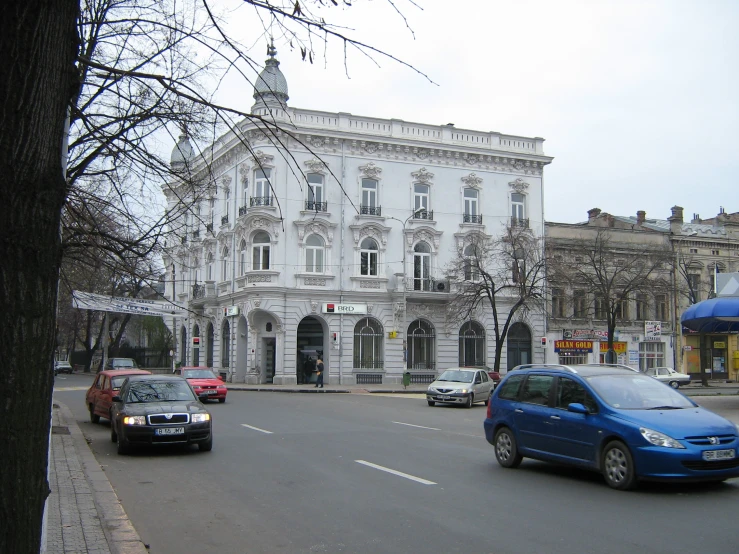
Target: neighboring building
x: 277, y: 270
x: 697, y: 251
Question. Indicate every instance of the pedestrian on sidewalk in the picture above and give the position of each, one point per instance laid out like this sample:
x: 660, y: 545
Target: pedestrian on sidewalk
x: 319, y: 373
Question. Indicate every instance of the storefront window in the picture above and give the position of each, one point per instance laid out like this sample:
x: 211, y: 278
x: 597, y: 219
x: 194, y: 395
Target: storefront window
x: 651, y: 354
x: 571, y: 359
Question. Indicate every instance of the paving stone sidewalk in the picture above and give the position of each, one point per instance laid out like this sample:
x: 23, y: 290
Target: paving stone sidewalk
x: 83, y: 514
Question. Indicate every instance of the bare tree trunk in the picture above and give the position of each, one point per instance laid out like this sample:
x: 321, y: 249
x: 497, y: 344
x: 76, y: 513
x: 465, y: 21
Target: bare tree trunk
x: 38, y: 40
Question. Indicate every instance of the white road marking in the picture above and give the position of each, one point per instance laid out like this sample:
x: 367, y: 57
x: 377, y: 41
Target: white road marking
x: 398, y: 473
x: 419, y: 426
x: 256, y: 429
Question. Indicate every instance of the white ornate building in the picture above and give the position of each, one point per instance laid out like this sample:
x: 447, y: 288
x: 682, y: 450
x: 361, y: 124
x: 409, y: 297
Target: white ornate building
x: 357, y: 213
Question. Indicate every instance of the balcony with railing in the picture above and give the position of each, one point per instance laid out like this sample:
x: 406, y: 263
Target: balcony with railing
x: 242, y: 210
x: 209, y: 227
x: 427, y: 284
x: 370, y: 210
x: 424, y: 214
x: 202, y: 292
x: 224, y: 220
x: 520, y: 222
x: 312, y: 206
x: 256, y: 201
x: 472, y: 218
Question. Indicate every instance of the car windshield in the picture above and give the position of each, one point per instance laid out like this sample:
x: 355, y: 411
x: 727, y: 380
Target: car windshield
x: 637, y: 392
x: 159, y: 391
x: 124, y: 363
x: 198, y: 374
x: 457, y: 376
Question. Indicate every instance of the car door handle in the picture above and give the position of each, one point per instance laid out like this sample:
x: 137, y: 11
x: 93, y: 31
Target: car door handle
x: 554, y: 417
x: 518, y: 410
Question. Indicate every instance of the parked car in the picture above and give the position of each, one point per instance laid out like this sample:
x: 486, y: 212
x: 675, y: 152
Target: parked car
x: 99, y: 397
x: 460, y: 386
x: 669, y: 376
x: 613, y: 420
x: 204, y: 382
x: 158, y: 410
x: 121, y: 363
x: 62, y: 366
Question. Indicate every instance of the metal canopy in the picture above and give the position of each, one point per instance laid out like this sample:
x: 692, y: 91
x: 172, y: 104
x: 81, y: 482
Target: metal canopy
x: 717, y: 315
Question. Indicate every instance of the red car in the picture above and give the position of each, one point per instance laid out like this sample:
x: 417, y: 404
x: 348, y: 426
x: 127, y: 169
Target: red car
x: 105, y: 386
x: 494, y: 375
x: 204, y: 382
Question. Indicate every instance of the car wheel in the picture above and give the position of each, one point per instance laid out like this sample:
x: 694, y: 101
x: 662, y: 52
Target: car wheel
x: 470, y: 401
x: 221, y: 400
x: 431, y: 403
x: 618, y: 466
x: 506, y: 451
x: 206, y: 446
x: 674, y: 384
x: 123, y: 446
x: 93, y: 416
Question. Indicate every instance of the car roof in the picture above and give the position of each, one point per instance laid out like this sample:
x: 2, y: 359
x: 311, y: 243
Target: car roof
x: 464, y: 369
x: 586, y: 370
x: 125, y: 372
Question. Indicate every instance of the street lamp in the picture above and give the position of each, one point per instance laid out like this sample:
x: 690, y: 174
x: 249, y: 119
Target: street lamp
x: 405, y: 279
x: 677, y: 359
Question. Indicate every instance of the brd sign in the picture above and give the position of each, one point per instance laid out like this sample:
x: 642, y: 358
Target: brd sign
x: 358, y: 309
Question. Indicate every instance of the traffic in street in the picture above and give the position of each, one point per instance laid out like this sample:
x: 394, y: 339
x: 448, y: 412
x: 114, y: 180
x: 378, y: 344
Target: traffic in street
x: 372, y: 473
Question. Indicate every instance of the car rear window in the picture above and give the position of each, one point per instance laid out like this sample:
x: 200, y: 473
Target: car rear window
x: 509, y: 389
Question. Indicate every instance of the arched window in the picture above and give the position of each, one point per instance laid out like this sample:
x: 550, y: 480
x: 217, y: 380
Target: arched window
x: 183, y: 346
x: 242, y: 257
x: 314, y: 251
x: 368, y: 346
x: 368, y: 254
x: 209, y: 346
x: 315, y: 193
x: 422, y: 266
x: 224, y: 264
x: 196, y: 346
x: 421, y: 342
x: 225, y: 344
x: 260, y: 251
x: 471, y: 344
x: 209, y: 268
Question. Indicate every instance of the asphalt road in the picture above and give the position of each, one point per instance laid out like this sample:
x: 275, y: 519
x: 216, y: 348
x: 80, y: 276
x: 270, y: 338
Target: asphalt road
x: 304, y: 473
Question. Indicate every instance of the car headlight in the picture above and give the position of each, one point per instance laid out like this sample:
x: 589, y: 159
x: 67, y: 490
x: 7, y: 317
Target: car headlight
x: 221, y: 386
x: 134, y: 420
x: 659, y: 439
x: 200, y: 418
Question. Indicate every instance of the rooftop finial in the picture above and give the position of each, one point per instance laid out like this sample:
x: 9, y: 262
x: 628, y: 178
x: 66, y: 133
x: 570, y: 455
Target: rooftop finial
x: 271, y: 50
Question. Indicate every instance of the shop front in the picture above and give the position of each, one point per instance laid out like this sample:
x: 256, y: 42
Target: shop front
x: 572, y: 352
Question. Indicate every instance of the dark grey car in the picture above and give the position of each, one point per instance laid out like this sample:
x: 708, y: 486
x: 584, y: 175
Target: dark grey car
x: 159, y: 410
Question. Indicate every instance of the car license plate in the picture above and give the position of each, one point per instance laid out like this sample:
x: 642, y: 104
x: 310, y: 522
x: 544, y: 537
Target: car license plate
x: 209, y: 392
x: 445, y: 397
x: 170, y: 431
x: 719, y: 454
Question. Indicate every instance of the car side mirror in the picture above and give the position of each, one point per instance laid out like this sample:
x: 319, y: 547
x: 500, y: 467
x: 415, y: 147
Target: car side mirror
x: 578, y: 408
x: 116, y: 398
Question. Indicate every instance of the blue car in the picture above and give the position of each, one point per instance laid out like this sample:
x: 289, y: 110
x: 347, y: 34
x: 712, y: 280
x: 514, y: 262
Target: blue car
x: 621, y: 423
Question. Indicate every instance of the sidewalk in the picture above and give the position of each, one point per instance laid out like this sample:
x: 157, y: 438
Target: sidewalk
x: 84, y: 515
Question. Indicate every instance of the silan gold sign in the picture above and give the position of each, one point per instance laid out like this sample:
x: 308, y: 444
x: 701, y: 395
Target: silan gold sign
x: 573, y: 345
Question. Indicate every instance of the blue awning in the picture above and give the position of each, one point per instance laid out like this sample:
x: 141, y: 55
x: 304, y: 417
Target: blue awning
x: 717, y: 315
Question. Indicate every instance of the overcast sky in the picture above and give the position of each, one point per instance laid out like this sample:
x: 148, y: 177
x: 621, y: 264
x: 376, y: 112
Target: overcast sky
x: 637, y: 100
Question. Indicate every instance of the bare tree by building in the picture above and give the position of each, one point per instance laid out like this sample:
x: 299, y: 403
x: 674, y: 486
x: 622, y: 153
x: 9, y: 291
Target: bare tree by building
x: 610, y: 269
x: 505, y: 274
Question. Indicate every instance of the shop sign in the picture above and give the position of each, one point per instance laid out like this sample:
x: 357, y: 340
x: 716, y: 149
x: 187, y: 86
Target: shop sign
x: 719, y: 344
x: 230, y: 311
x: 580, y: 346
x: 331, y: 308
x: 618, y: 347
x: 584, y: 334
x: 652, y: 330
x: 633, y: 357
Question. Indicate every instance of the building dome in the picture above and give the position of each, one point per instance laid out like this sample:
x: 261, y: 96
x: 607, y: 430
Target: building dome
x: 270, y: 89
x: 182, y: 152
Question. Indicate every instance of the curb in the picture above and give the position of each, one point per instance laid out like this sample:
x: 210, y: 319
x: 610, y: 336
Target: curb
x: 119, y: 532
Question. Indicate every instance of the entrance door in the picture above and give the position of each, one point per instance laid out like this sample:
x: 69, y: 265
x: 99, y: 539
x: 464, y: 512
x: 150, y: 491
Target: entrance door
x: 269, y: 360
x: 310, y: 347
x: 519, y: 345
